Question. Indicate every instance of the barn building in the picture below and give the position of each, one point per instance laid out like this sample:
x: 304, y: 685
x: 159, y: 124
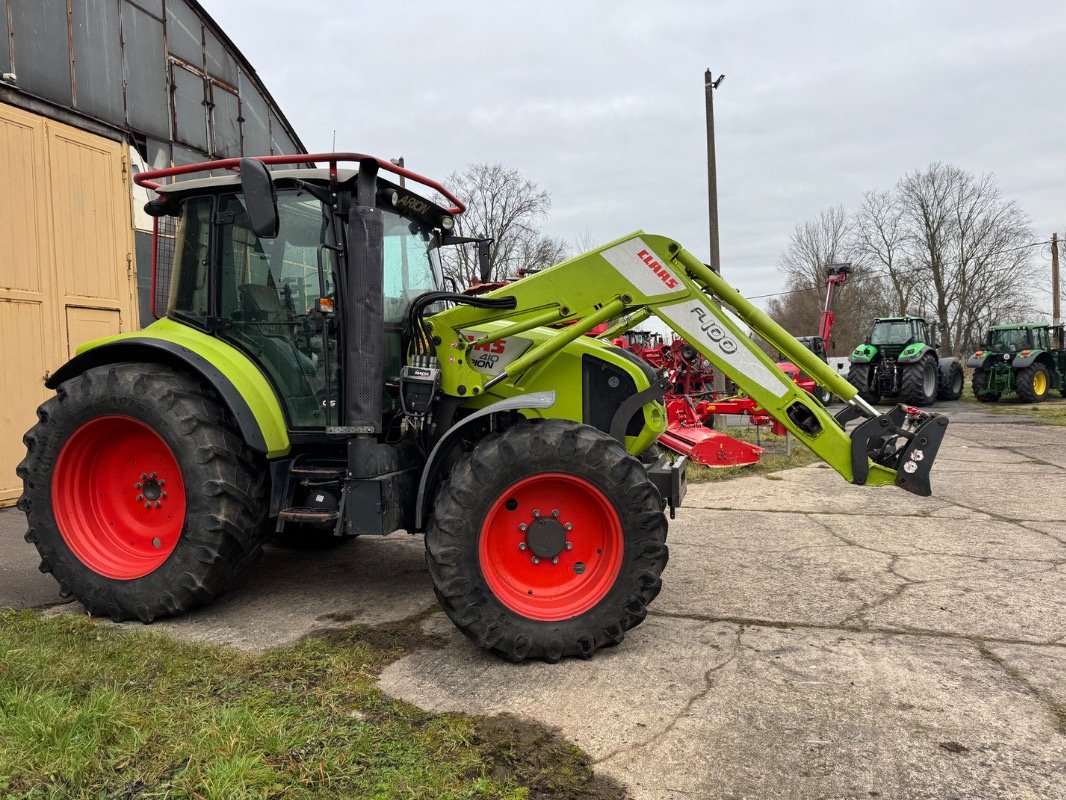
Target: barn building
x: 91, y: 92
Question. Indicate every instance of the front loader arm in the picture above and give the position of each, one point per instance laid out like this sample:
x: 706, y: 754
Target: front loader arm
x: 643, y: 274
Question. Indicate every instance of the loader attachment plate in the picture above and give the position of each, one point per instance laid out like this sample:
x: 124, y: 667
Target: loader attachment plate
x: 904, y: 439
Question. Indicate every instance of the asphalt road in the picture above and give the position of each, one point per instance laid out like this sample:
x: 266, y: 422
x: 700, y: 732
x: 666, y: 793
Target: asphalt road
x: 813, y: 639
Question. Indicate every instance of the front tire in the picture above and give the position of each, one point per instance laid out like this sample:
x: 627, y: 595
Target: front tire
x: 141, y: 498
x: 1033, y: 383
x: 547, y: 541
x: 918, y: 382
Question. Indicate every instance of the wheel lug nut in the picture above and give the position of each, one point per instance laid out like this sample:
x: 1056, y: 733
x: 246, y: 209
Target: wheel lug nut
x: 522, y: 526
x: 555, y: 560
x: 147, y: 505
x: 153, y: 476
x: 162, y: 482
x: 536, y: 512
x: 162, y: 494
x: 555, y: 513
x: 140, y: 497
x: 569, y: 526
x: 157, y: 504
x: 144, y: 476
x: 536, y: 560
x: 521, y: 545
x: 569, y: 545
x: 137, y: 485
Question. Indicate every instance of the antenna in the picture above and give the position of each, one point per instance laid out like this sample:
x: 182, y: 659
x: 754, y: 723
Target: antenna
x: 334, y: 140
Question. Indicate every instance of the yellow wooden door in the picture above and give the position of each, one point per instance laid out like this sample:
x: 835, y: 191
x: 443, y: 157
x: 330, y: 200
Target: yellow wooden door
x: 66, y: 265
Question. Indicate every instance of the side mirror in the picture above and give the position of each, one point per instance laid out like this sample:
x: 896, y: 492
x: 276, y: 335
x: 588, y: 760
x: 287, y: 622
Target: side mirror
x: 868, y: 340
x: 260, y: 199
x: 484, y: 259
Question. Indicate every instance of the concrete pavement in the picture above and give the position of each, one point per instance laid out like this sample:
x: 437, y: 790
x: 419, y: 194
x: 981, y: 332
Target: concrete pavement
x: 813, y: 639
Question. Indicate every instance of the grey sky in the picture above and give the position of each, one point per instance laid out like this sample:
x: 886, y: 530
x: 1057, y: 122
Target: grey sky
x: 601, y: 103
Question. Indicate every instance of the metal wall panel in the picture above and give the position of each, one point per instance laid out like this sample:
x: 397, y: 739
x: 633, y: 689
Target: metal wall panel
x: 97, y: 58
x: 151, y: 6
x: 5, y: 48
x: 280, y: 142
x: 186, y: 155
x: 220, y: 62
x: 225, y: 126
x: 190, y: 112
x: 144, y: 62
x: 256, y: 120
x: 185, y: 33
x: 158, y: 154
x: 42, y: 52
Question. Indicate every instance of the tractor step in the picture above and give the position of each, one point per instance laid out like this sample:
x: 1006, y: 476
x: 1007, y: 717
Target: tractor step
x: 311, y: 515
x: 333, y: 472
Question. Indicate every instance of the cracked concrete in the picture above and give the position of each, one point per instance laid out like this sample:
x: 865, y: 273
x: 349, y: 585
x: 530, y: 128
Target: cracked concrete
x: 813, y: 639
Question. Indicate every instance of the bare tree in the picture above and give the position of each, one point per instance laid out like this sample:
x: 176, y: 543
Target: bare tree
x: 881, y: 240
x: 828, y: 238
x: 970, y: 245
x: 507, y: 208
x: 816, y: 242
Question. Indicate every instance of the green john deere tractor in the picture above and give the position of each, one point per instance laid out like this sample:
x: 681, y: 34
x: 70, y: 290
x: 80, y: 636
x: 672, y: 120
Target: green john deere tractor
x: 899, y: 359
x: 1019, y: 358
x: 312, y: 376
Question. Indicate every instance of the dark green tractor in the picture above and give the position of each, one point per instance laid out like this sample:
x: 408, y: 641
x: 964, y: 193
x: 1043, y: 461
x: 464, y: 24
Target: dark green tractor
x: 900, y: 359
x: 1019, y: 358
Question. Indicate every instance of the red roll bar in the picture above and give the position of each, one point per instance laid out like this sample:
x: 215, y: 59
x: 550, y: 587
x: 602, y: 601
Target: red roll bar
x: 147, y: 179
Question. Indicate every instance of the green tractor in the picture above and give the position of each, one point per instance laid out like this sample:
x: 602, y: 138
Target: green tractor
x: 1022, y: 359
x: 899, y: 359
x: 312, y: 376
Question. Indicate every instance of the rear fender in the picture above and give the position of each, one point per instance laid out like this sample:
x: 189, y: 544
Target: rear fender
x: 863, y: 354
x: 913, y: 353
x: 1021, y: 362
x: 978, y: 361
x: 239, y: 384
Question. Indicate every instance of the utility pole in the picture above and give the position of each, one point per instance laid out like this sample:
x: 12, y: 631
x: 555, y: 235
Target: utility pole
x: 709, y: 85
x: 1056, y: 317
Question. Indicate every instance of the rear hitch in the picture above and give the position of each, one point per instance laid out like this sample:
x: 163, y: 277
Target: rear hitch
x: 905, y: 440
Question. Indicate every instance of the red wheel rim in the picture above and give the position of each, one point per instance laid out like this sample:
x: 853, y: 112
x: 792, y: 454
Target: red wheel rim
x: 551, y: 547
x: 118, y: 497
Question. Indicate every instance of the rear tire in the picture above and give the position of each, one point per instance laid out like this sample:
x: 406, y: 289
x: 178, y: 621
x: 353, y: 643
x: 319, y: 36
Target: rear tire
x: 141, y: 498
x: 1032, y: 383
x: 951, y: 383
x: 918, y: 382
x: 861, y: 377
x: 980, y: 386
x: 570, y: 601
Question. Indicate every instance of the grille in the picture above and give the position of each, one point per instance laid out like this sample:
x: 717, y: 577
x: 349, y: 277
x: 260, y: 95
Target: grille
x: 162, y: 264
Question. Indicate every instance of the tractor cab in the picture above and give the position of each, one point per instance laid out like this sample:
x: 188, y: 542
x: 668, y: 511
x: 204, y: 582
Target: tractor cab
x: 897, y: 332
x: 1015, y: 338
x: 272, y: 291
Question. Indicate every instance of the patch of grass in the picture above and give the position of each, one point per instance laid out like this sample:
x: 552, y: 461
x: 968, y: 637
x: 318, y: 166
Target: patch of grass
x: 775, y: 457
x: 1050, y: 412
x: 89, y: 711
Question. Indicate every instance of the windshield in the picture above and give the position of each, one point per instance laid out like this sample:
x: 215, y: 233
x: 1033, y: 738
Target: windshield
x: 412, y: 264
x: 1009, y: 341
x: 897, y: 332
